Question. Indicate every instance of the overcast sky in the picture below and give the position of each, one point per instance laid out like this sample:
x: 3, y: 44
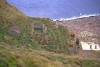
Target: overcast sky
x: 57, y: 8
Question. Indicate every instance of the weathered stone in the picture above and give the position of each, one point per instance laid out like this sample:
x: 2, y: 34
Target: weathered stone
x: 15, y: 31
x: 39, y: 27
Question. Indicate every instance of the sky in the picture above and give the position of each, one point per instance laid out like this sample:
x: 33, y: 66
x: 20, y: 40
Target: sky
x: 56, y: 9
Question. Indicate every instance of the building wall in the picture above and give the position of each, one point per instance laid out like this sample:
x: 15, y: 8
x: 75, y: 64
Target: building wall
x: 90, y: 46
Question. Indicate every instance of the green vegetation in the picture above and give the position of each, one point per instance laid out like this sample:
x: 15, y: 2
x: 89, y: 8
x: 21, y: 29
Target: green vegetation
x: 22, y: 46
x: 54, y: 39
x: 27, y: 57
x: 90, y: 63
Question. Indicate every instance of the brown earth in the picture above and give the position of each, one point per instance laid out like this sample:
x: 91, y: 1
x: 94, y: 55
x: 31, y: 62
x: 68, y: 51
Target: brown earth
x: 86, y: 29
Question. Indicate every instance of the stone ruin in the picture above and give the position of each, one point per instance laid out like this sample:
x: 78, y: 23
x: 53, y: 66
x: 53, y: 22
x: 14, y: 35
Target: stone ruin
x: 39, y: 27
x: 15, y: 30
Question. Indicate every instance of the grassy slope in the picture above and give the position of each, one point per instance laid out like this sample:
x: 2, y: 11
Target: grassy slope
x: 25, y: 57
x: 10, y: 17
x: 27, y: 50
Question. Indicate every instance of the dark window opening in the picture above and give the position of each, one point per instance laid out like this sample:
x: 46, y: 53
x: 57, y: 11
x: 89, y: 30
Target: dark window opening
x: 95, y: 47
x: 90, y: 46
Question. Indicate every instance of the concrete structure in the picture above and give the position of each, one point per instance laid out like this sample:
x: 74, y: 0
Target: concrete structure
x: 90, y: 46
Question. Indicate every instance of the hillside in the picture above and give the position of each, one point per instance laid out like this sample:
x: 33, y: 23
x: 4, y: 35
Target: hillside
x: 19, y: 28
x: 86, y: 29
x: 35, y: 42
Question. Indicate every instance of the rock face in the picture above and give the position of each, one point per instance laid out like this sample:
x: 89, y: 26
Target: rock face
x: 86, y: 29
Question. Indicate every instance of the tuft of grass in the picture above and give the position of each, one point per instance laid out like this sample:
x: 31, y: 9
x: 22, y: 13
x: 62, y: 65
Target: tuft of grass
x: 90, y: 63
x: 21, y: 57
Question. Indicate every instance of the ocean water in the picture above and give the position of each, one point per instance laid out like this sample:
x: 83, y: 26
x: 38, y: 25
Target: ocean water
x: 56, y: 9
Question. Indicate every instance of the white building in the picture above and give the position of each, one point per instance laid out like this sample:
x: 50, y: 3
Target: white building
x: 89, y: 46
